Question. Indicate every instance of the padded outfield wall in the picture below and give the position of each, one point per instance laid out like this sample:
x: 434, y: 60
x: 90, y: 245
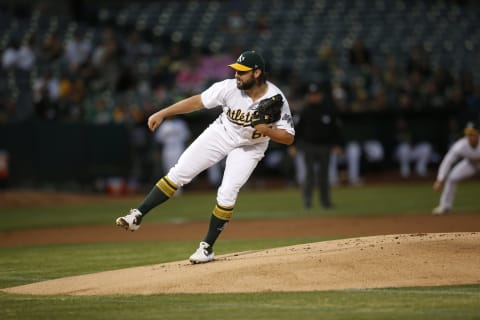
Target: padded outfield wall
x: 51, y: 152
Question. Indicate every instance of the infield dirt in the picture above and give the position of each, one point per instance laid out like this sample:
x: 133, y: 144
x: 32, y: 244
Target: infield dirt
x: 375, y: 252
x: 367, y: 262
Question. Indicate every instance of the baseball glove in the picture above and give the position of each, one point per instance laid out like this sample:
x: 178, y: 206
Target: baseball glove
x: 269, y: 110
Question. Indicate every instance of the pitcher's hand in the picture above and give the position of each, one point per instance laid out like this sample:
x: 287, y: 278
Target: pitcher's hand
x: 154, y: 121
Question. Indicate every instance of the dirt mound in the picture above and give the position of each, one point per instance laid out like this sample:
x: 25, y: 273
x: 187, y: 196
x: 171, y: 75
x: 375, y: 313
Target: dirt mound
x: 369, y: 262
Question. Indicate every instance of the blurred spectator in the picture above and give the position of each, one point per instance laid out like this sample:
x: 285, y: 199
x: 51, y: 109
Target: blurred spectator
x: 177, y: 53
x: 27, y: 54
x: 106, y: 59
x: 72, y: 88
x: 471, y: 93
x: 46, y: 92
x: 189, y: 77
x: 142, y: 86
x: 99, y: 113
x: 172, y: 62
x: 376, y: 90
x: 327, y: 63
x: 72, y: 93
x: 77, y: 51
x: 457, y: 99
x: 419, y: 62
x: 379, y: 101
x: 340, y: 97
x: 360, y: 101
x: 359, y: 54
x: 235, y: 21
x: 10, y: 55
x: 437, y: 88
x: 161, y: 80
x: 51, y: 49
x: 106, y: 50
x: 8, y: 108
x: 413, y: 92
x: 392, y: 80
x: 136, y: 47
x: 262, y: 24
x: 443, y: 79
x: 212, y: 65
x: 125, y: 110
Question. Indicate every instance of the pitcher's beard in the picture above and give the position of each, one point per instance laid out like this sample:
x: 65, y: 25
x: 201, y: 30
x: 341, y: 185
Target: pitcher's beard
x: 245, y: 85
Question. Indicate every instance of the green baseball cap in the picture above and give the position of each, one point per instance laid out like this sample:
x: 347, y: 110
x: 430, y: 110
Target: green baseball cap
x: 249, y: 60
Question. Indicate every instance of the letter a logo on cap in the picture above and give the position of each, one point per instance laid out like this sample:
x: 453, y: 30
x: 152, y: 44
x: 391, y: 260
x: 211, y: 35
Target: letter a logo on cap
x: 249, y: 60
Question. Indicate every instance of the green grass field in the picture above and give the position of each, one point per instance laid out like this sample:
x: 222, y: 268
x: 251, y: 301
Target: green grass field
x: 282, y: 203
x: 27, y: 264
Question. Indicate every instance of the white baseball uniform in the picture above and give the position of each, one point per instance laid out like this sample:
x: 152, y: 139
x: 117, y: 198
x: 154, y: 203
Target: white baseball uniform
x: 468, y: 165
x: 231, y: 136
x: 173, y: 135
x: 420, y: 153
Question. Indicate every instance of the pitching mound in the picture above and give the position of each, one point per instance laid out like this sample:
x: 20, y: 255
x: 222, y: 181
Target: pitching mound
x: 370, y: 262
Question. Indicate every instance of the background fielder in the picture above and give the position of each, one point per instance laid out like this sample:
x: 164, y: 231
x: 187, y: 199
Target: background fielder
x: 232, y: 135
x: 172, y: 136
x: 464, y: 156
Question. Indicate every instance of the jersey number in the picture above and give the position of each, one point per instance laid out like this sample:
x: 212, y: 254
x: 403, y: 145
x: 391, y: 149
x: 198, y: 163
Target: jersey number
x: 256, y: 134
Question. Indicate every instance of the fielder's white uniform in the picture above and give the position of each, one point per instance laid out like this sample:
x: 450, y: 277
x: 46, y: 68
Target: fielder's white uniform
x: 468, y: 165
x: 420, y: 153
x: 231, y: 136
x: 173, y: 135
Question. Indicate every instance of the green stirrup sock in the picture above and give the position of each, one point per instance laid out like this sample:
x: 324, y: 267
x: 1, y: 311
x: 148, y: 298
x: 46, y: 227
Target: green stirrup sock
x: 153, y: 199
x: 215, y: 228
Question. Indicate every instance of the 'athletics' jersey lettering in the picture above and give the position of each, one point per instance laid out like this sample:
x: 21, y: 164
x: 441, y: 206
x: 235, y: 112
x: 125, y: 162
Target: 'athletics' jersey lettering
x: 239, y: 117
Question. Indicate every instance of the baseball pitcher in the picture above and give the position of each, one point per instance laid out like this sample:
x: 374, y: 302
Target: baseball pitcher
x: 254, y: 112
